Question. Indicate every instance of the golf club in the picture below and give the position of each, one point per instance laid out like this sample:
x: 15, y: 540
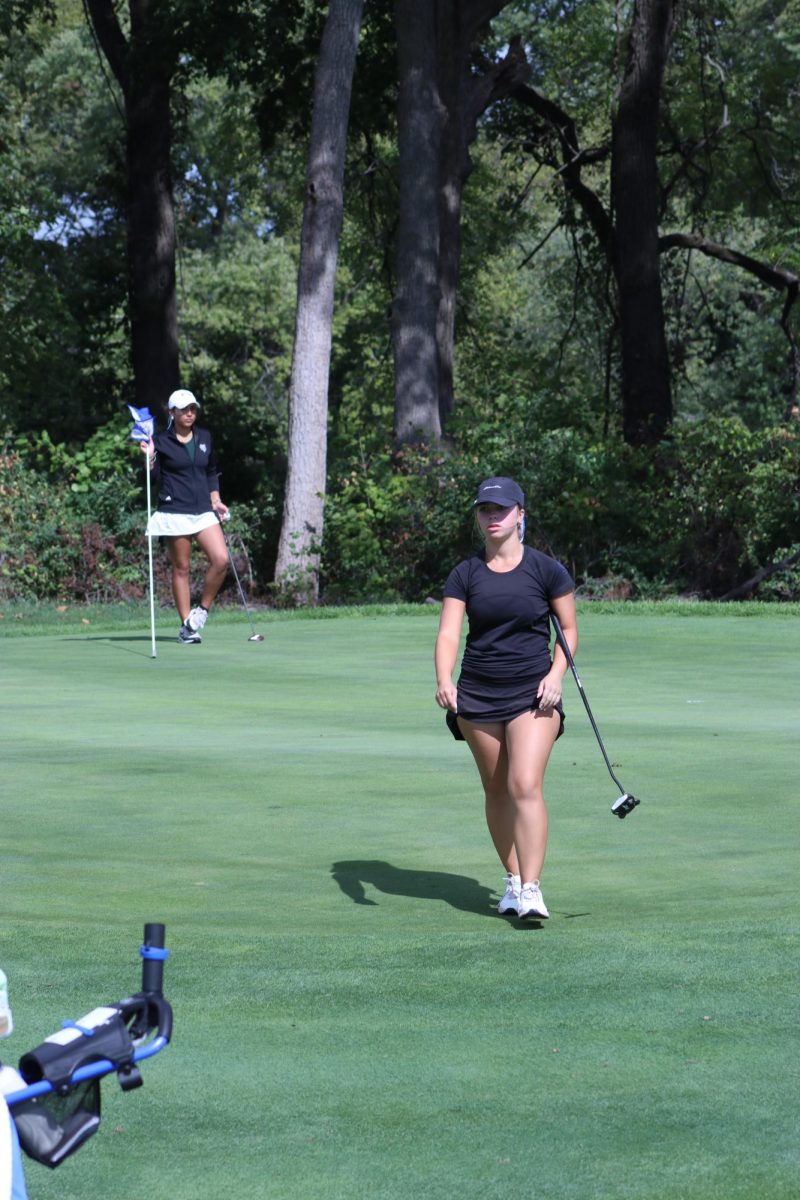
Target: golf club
x: 626, y: 802
x: 254, y: 637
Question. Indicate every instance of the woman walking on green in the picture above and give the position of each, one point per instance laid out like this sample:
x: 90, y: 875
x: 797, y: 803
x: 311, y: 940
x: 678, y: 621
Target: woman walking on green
x: 507, y: 702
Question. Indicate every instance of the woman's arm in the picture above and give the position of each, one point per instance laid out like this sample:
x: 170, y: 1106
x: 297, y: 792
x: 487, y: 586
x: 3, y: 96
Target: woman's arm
x: 445, y: 654
x: 212, y: 475
x: 549, y: 691
x: 222, y: 510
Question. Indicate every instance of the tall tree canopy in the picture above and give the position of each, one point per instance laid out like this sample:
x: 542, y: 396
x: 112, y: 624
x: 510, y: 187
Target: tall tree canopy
x: 567, y: 249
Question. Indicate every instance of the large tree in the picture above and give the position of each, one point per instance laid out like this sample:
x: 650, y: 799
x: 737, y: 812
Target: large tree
x: 646, y: 395
x: 143, y: 63
x: 662, y: 157
x: 440, y: 100
x: 297, y: 566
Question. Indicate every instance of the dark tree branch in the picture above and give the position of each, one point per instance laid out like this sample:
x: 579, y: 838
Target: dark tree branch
x: 499, y: 79
x: 572, y: 157
x: 525, y: 191
x: 744, y: 589
x: 532, y: 254
x: 110, y: 36
x: 777, y: 278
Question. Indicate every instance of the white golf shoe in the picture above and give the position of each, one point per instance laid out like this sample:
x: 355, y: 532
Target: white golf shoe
x: 510, y: 899
x: 531, y: 902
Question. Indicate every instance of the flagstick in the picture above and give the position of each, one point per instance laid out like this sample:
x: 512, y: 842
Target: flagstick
x: 150, y: 568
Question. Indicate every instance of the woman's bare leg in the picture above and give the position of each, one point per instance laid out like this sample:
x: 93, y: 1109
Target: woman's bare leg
x: 180, y: 552
x: 488, y: 746
x: 212, y: 542
x: 529, y: 740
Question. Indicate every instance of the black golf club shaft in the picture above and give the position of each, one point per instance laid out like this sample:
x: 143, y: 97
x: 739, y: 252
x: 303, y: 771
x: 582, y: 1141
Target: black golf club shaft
x: 236, y: 577
x: 562, y: 641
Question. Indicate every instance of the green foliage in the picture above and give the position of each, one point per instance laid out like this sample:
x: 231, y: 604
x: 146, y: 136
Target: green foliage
x: 16, y: 15
x: 783, y: 585
x: 52, y: 544
x: 536, y: 371
x: 63, y: 356
x: 73, y: 522
x: 699, y: 513
x: 237, y: 320
x: 73, y: 519
x: 731, y: 501
x: 100, y: 460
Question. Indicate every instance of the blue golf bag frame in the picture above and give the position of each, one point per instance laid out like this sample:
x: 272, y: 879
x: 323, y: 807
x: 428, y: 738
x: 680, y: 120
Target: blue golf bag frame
x: 59, y: 1108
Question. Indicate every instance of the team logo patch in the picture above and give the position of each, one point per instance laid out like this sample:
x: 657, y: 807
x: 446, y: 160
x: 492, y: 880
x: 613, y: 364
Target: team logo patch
x: 203, y: 447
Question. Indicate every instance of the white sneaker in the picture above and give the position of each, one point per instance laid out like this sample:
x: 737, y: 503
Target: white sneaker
x: 510, y: 899
x: 531, y: 902
x: 197, y: 618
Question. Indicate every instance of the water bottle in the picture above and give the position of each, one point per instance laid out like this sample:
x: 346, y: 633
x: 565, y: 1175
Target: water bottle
x: 6, y: 1023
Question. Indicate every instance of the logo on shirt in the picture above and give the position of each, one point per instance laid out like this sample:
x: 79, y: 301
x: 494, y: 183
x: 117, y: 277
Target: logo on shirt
x: 203, y: 447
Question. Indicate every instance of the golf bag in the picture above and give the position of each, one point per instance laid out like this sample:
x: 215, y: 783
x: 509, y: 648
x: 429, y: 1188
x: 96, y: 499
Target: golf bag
x: 57, y: 1107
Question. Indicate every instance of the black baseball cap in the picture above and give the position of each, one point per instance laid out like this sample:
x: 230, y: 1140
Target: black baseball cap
x: 500, y: 490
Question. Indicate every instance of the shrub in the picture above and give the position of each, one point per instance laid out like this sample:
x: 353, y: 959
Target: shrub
x: 700, y: 512
x: 72, y: 523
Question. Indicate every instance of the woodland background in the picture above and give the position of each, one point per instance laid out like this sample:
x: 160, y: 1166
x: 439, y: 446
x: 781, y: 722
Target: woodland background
x: 394, y: 248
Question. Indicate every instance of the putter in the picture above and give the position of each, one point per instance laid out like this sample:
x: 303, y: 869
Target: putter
x: 254, y: 637
x: 626, y: 802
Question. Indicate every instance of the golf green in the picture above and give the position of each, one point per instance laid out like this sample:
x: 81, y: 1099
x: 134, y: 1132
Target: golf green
x: 352, y: 1019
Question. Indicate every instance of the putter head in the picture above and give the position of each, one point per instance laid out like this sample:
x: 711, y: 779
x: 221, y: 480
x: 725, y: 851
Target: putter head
x: 259, y: 637
x: 625, y: 804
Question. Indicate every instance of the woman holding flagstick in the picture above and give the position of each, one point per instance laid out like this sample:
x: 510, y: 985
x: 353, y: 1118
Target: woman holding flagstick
x: 182, y: 463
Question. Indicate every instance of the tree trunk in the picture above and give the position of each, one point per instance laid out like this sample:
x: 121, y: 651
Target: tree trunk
x: 297, y: 566
x: 439, y: 103
x: 144, y: 75
x: 415, y: 308
x: 646, y: 390
x: 455, y: 167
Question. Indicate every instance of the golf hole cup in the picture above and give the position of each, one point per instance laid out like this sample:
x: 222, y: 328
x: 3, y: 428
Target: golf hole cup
x: 6, y: 1023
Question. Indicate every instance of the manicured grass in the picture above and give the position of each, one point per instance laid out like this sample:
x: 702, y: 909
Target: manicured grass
x: 351, y: 1019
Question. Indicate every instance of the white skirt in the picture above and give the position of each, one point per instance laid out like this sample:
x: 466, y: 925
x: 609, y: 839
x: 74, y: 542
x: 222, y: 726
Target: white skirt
x: 163, y: 524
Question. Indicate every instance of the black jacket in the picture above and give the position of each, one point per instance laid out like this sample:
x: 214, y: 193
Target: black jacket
x: 185, y: 486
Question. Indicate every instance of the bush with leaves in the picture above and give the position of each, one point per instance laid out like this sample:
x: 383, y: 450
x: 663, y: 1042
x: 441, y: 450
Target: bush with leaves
x: 37, y: 541
x: 72, y: 522
x: 59, y: 540
x: 700, y: 513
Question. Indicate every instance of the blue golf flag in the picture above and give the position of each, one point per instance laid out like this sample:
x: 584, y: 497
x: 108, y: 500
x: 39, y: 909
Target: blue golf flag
x: 143, y: 424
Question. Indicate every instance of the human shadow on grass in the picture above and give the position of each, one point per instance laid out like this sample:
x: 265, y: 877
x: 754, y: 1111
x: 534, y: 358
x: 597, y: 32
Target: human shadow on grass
x: 121, y: 637
x: 459, y: 891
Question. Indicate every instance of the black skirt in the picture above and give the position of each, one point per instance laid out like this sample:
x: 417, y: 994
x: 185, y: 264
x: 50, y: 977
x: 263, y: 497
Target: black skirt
x: 495, y: 701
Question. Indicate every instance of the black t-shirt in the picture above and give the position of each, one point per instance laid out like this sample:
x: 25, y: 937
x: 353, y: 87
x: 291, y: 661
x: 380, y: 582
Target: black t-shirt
x: 509, y: 627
